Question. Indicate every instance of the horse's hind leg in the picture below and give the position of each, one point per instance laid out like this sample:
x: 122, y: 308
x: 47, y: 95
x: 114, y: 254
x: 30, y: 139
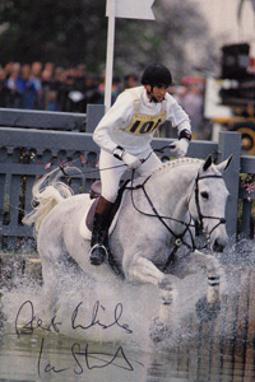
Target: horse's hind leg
x: 49, y: 288
x: 51, y: 273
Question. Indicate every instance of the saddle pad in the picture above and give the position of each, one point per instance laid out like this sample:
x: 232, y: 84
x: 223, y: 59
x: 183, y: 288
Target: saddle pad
x: 85, y: 231
x: 91, y: 214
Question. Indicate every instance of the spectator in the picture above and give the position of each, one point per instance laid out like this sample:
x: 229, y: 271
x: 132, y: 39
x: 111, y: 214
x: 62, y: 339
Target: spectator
x: 4, y: 91
x: 26, y: 88
x: 74, y: 92
x: 101, y: 88
x: 55, y: 88
x: 49, y: 91
x: 92, y: 92
x: 59, y: 86
x: 12, y: 73
x: 36, y: 78
x: 116, y: 88
x: 130, y: 81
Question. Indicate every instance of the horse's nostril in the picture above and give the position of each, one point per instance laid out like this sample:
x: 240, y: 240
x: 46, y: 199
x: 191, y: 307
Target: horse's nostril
x: 218, y: 247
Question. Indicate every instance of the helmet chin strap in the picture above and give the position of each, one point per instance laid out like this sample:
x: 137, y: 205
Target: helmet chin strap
x: 151, y: 96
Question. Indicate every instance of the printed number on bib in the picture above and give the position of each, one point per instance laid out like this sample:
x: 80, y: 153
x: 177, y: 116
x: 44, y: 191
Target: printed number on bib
x: 145, y: 124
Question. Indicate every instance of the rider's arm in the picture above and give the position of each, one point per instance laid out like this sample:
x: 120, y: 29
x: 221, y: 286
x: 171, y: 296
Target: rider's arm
x: 115, y: 119
x: 179, y: 118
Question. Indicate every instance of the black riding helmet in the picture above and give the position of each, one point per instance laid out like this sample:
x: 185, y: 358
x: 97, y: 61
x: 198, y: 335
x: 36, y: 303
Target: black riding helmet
x: 156, y: 75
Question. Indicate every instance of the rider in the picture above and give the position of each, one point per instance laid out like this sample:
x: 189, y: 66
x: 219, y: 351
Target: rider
x: 124, y: 135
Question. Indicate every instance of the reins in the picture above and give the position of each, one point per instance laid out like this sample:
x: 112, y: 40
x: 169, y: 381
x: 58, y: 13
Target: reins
x: 179, y: 238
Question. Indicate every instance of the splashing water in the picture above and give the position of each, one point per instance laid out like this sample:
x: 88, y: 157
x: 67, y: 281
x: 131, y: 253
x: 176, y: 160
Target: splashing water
x: 135, y: 304
x: 120, y: 314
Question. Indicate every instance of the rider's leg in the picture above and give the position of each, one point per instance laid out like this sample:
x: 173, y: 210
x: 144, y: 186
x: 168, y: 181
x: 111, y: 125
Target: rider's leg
x: 111, y: 172
x: 102, y: 221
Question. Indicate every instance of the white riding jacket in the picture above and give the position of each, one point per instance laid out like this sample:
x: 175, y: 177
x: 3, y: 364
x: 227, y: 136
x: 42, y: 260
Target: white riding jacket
x: 132, y: 121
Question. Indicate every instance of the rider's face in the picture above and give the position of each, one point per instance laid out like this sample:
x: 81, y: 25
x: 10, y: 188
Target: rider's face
x: 156, y: 93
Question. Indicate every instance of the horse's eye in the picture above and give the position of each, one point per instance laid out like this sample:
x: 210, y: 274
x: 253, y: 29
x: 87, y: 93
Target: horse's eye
x: 204, y: 195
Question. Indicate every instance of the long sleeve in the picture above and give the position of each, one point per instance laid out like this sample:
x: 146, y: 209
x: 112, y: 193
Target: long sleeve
x: 178, y: 117
x: 112, y: 121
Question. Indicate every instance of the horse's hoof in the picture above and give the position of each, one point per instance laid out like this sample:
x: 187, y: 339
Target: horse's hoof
x: 207, y: 312
x: 159, y: 331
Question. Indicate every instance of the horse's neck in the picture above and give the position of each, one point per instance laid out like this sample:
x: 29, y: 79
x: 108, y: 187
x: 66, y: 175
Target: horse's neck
x: 172, y: 188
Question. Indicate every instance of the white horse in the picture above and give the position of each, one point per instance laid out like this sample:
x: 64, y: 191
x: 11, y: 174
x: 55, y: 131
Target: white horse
x: 154, y: 220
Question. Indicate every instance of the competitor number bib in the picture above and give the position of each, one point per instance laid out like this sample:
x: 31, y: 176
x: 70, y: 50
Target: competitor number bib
x: 145, y: 124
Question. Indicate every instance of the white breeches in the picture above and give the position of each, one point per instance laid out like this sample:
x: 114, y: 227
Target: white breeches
x: 112, y: 169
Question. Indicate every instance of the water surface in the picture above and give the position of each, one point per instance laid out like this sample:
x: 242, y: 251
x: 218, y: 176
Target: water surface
x: 102, y: 333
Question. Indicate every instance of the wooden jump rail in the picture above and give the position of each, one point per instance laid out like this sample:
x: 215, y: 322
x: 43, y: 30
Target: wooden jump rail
x: 27, y: 152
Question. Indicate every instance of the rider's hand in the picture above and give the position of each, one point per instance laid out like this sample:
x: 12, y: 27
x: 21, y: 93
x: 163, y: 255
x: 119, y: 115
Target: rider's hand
x: 179, y: 148
x: 131, y: 160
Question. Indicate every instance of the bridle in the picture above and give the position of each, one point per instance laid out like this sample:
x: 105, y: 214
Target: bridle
x: 201, y: 216
x: 199, y: 223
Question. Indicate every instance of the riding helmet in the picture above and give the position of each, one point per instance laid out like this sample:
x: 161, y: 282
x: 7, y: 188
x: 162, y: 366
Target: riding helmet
x: 156, y: 74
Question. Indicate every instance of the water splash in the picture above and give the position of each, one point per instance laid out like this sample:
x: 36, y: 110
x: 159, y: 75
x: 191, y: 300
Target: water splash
x: 140, y: 304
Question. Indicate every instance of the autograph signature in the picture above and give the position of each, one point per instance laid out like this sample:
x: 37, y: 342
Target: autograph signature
x: 27, y: 322
x: 34, y: 322
x: 118, y: 311
x: 84, y: 359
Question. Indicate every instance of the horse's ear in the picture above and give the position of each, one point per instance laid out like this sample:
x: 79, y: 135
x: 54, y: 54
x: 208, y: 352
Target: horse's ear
x: 208, y: 162
x: 225, y: 164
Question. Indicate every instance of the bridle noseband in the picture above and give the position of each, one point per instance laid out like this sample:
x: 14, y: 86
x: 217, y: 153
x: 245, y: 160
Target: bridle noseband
x: 201, y: 216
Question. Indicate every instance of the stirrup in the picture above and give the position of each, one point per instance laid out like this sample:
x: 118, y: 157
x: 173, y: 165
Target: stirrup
x: 99, y: 257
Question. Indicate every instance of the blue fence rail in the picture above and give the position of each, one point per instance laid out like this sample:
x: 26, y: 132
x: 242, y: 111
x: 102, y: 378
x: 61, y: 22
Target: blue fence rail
x: 26, y: 153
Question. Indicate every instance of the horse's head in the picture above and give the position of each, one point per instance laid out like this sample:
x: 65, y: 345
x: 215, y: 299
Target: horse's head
x: 208, y: 202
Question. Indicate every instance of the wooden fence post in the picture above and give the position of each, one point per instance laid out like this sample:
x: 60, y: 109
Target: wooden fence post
x: 248, y: 198
x: 94, y: 114
x: 230, y: 144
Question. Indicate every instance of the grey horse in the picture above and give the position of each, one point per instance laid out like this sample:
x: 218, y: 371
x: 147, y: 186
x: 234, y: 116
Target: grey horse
x: 154, y: 220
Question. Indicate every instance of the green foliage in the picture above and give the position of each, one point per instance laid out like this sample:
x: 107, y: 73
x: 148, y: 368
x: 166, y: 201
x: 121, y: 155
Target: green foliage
x: 61, y: 31
x: 71, y: 32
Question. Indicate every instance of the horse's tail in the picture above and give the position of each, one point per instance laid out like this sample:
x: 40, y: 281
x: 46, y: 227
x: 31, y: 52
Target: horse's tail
x: 47, y: 192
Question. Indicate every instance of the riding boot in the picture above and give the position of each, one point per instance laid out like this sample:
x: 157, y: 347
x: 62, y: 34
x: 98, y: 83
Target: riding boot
x: 101, y: 224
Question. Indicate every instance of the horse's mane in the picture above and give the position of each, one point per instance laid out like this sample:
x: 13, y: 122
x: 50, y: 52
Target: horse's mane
x: 176, y: 163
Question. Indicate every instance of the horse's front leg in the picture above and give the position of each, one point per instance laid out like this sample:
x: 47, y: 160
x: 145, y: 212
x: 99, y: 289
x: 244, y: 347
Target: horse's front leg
x: 213, y: 273
x: 141, y: 269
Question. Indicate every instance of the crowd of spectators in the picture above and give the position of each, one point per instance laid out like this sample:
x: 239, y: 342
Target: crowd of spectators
x: 190, y: 95
x: 54, y: 88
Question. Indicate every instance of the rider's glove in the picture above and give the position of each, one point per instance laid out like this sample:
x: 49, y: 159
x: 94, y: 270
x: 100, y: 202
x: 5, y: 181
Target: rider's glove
x: 179, y: 148
x: 130, y: 160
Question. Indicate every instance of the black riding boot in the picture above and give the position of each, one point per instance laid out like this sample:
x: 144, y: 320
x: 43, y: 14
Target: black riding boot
x: 99, y: 240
